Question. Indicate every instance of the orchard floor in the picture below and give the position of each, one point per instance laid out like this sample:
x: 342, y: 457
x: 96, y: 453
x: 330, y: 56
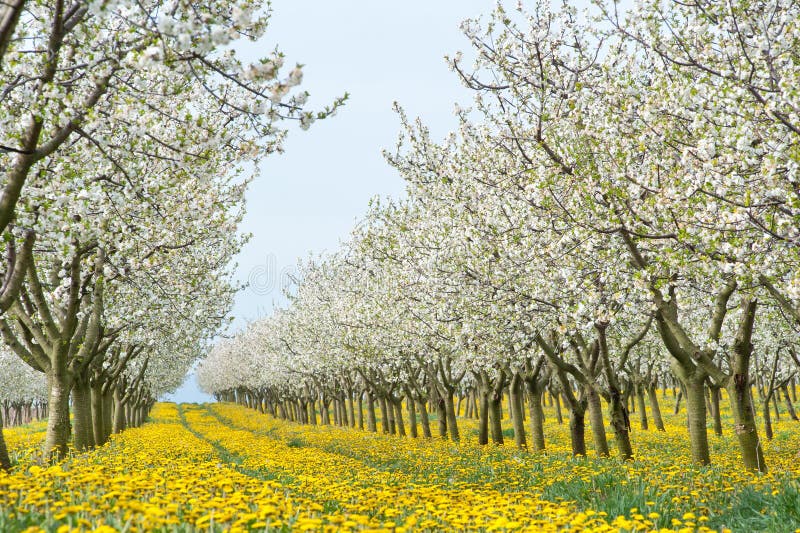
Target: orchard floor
x: 223, y: 467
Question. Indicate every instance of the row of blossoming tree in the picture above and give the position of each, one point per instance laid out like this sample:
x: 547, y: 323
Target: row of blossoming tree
x: 618, y: 210
x: 128, y: 135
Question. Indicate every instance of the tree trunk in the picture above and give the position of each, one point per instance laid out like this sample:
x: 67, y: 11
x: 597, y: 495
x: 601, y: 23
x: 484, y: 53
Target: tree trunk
x: 96, y: 396
x: 351, y: 412
x: 450, y: 413
x: 577, y: 431
x: 739, y: 390
x: 536, y: 417
x: 119, y: 411
x: 82, y: 416
x: 745, y: 423
x: 441, y: 415
x: 312, y: 410
x: 775, y: 405
x: 389, y: 414
x: 652, y: 396
x: 696, y: 420
x: 398, y: 416
x: 640, y: 405
x: 483, y: 423
x: 424, y: 420
x: 767, y: 421
x: 371, y: 422
x: 108, y: 405
x: 517, y: 409
x: 789, y: 404
x: 384, y: 419
x: 58, y: 424
x: 412, y: 415
x: 557, y: 401
x: 325, y: 413
x: 678, y: 402
x: 596, y: 420
x: 715, y: 410
x: 337, y: 412
x: 496, y: 416
x: 5, y: 460
x: 621, y: 424
x: 361, y: 410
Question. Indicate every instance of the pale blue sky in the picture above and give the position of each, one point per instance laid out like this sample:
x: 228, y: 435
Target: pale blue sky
x: 309, y: 198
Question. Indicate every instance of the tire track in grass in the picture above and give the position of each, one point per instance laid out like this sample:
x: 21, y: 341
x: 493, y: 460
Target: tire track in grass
x: 429, y: 505
x: 490, y: 468
x: 236, y: 461
x: 396, y: 465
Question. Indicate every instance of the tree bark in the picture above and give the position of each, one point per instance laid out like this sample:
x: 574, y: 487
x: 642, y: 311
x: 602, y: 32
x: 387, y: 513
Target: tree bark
x: 398, y: 416
x: 557, y: 401
x: 119, y: 411
x: 361, y: 410
x: 441, y: 415
x: 371, y: 422
x: 517, y: 409
x: 351, y: 415
x: 596, y: 420
x: 577, y: 431
x: 696, y: 416
x: 424, y: 420
x: 108, y: 404
x: 715, y: 410
x: 96, y: 396
x: 58, y: 424
x: 496, y: 415
x: 652, y: 396
x: 450, y: 413
x: 767, y: 421
x: 536, y: 416
x: 483, y: 423
x: 640, y: 405
x: 621, y: 424
x: 390, y: 416
x: 739, y: 390
x: 5, y: 460
x: 412, y: 416
x: 789, y: 405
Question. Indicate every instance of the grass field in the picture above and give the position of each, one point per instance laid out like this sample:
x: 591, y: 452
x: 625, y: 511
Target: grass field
x: 223, y: 467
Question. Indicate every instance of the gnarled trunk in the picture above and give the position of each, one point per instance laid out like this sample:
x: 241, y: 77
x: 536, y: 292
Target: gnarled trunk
x: 745, y: 423
x: 621, y: 424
